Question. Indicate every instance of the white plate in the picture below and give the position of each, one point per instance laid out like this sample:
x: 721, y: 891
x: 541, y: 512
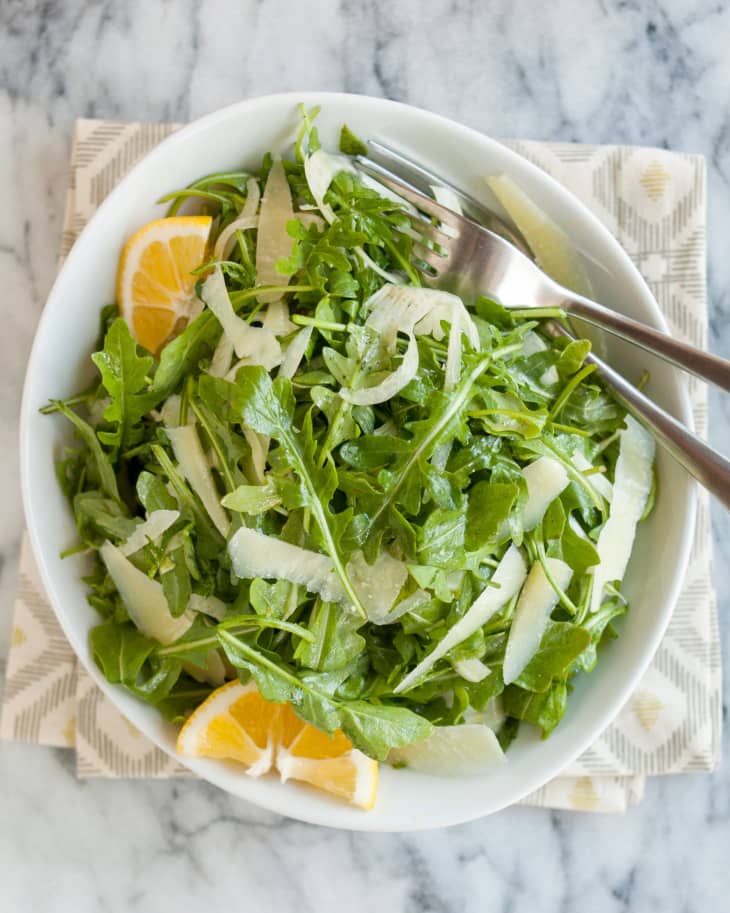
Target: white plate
x: 237, y: 136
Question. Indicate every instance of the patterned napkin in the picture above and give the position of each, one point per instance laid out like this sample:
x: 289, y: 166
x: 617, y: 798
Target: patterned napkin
x: 653, y: 201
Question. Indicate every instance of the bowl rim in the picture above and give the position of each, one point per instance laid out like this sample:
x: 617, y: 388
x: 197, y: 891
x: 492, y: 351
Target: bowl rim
x: 27, y: 412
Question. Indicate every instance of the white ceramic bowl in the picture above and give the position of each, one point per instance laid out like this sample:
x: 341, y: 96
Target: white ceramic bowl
x: 237, y: 136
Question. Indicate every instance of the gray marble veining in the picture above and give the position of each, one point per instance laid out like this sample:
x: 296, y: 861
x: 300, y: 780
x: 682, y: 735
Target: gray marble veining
x: 635, y: 71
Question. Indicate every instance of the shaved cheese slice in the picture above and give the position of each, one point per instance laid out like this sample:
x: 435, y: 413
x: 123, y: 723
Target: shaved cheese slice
x: 208, y: 605
x: 454, y: 751
x: 143, y: 598
x: 170, y: 411
x: 409, y: 604
x: 377, y: 584
x: 597, y: 479
x: 194, y: 466
x: 215, y: 670
x: 158, y: 522
x: 220, y: 363
x: 632, y: 485
x: 534, y: 607
x: 256, y: 464
x: 295, y: 352
x: 546, y: 479
x: 509, y: 575
x: 273, y: 242
x: 253, y: 345
x: 254, y: 554
x: 471, y: 670
x: 549, y: 243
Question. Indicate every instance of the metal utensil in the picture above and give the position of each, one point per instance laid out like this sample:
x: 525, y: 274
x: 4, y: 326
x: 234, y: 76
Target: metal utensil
x: 468, y: 258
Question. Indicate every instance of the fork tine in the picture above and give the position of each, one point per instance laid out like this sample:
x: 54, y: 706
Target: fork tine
x: 425, y: 228
x: 433, y: 259
x: 409, y: 193
x: 417, y: 175
x: 422, y: 173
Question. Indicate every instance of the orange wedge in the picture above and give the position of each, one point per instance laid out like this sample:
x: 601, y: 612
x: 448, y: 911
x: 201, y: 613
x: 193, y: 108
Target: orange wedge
x: 327, y: 762
x: 155, y: 288
x: 236, y: 723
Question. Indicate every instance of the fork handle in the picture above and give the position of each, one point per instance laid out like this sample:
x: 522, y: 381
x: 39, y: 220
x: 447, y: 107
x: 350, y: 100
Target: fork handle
x: 710, y: 468
x: 704, y: 365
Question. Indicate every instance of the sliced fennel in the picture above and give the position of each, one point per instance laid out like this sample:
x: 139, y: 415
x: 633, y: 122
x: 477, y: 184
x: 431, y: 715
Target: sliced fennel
x: 414, y: 312
x: 253, y: 345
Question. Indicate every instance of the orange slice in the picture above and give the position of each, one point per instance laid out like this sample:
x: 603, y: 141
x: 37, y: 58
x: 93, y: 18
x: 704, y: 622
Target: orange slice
x: 155, y: 288
x: 236, y: 723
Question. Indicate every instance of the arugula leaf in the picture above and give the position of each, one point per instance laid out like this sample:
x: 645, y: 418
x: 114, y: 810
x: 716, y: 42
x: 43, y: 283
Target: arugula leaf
x: 543, y: 709
x: 374, y: 729
x: 98, y: 463
x: 176, y: 583
x: 180, y: 357
x: 489, y: 506
x: 124, y: 375
x: 268, y: 407
x: 350, y: 144
x: 336, y: 641
x: 561, y: 644
x: 120, y: 651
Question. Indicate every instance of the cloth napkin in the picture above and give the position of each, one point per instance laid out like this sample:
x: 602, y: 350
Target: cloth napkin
x: 653, y: 201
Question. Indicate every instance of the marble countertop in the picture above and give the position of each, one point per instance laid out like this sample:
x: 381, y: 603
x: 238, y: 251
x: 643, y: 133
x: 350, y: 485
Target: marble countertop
x: 654, y: 73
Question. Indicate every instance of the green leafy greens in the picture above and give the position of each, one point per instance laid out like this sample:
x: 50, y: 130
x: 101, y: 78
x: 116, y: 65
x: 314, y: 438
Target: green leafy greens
x: 398, y: 511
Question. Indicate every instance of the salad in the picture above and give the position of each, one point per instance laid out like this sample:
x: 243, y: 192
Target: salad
x: 337, y: 517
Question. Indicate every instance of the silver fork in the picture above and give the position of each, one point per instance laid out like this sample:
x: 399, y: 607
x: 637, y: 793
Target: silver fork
x: 463, y: 256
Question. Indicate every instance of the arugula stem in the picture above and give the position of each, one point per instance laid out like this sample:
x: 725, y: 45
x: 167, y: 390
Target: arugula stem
x: 565, y: 601
x: 537, y: 313
x: 569, y: 388
x: 463, y: 394
x: 252, y: 622
x: 570, y: 429
x: 303, y: 321
x: 201, y: 416
x: 186, y: 496
x: 577, y: 476
x: 237, y: 298
x: 78, y: 400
